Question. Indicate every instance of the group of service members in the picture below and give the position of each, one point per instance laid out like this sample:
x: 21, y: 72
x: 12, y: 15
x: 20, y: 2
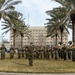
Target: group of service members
x: 63, y: 52
x: 41, y: 52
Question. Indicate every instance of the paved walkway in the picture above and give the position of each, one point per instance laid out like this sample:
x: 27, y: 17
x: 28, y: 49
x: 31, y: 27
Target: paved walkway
x: 3, y: 73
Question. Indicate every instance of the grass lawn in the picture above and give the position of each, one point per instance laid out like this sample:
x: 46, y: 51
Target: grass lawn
x: 39, y: 66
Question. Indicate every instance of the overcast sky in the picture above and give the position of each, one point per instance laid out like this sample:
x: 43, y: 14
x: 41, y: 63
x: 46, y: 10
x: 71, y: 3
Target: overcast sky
x: 36, y: 10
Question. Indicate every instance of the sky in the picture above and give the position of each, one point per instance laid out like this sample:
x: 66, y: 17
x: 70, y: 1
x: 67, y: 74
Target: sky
x: 34, y: 12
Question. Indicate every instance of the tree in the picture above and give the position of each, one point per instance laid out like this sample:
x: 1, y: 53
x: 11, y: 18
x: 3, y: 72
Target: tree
x: 17, y: 27
x: 23, y: 30
x: 58, y: 15
x: 6, y: 7
x: 51, y: 30
x: 70, y: 16
x: 6, y: 10
x: 12, y: 25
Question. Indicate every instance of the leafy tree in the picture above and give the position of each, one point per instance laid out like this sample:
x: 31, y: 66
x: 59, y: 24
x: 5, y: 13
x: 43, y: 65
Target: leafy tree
x: 58, y: 15
x: 17, y: 28
x: 51, y: 31
x: 70, y: 15
x: 12, y: 25
x: 7, y: 7
x: 23, y: 30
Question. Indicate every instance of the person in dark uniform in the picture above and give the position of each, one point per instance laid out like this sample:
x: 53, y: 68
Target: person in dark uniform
x: 12, y: 51
x: 22, y: 50
x: 64, y: 48
x: 47, y: 53
x: 26, y: 52
x: 19, y: 53
x: 44, y: 52
x: 69, y: 52
x: 30, y: 54
x: 3, y: 49
x: 34, y: 53
x: 55, y: 52
x: 73, y: 54
x: 52, y: 55
x: 37, y: 52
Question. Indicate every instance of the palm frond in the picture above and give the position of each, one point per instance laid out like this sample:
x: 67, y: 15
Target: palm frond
x: 10, y: 8
x: 5, y: 32
x: 6, y: 2
x: 1, y: 3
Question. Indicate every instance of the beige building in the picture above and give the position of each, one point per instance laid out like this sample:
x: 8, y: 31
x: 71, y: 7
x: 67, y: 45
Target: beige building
x: 38, y: 37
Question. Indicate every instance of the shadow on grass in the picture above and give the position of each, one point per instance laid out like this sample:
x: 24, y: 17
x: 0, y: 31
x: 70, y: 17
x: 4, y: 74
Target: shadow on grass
x: 21, y: 64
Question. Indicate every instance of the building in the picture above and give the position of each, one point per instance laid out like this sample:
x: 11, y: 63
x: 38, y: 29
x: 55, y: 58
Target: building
x: 38, y: 37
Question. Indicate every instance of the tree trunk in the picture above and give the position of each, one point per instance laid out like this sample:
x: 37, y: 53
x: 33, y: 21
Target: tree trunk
x: 22, y: 35
x: 73, y: 33
x: 56, y: 39
x: 14, y: 34
x: 73, y: 28
x: 21, y: 41
x: 14, y: 39
x: 61, y: 36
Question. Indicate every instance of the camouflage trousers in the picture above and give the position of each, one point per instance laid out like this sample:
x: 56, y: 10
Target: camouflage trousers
x: 11, y: 55
x: 30, y: 62
x: 2, y: 55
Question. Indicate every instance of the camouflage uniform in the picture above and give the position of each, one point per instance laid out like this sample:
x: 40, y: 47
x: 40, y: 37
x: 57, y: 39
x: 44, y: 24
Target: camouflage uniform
x: 69, y: 52
x: 59, y: 52
x: 44, y: 52
x: 12, y: 51
x: 73, y: 55
x: 26, y: 52
x: 56, y: 52
x: 52, y: 53
x: 22, y: 50
x: 30, y: 55
x: 64, y: 52
x: 47, y: 53
x: 37, y: 53
x: 3, y: 49
x: 34, y: 53
x: 19, y: 53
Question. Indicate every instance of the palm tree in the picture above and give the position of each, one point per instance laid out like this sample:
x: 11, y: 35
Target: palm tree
x: 15, y: 24
x: 8, y: 27
x: 70, y: 16
x: 6, y: 10
x: 17, y: 28
x: 12, y: 25
x: 23, y: 30
x: 51, y: 31
x: 57, y: 15
x: 6, y: 7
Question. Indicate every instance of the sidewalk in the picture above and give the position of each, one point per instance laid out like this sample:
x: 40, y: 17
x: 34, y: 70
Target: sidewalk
x: 3, y: 73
